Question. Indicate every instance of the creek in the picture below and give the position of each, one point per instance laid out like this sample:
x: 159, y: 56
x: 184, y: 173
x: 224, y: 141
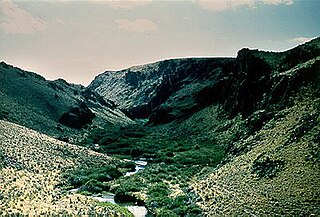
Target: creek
x: 136, y: 210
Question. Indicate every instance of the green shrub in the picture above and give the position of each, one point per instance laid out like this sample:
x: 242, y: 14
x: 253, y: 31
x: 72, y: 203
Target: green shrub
x: 88, y: 179
x: 166, y: 213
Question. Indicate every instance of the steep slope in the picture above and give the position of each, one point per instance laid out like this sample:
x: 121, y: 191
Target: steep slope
x: 31, y: 173
x: 56, y: 108
x: 274, y: 172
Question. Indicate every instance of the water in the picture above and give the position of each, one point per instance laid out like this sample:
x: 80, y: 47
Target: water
x: 140, y: 165
x: 137, y: 211
x: 105, y: 198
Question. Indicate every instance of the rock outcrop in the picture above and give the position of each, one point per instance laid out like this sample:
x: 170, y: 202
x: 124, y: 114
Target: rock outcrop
x: 77, y: 117
x: 140, y: 89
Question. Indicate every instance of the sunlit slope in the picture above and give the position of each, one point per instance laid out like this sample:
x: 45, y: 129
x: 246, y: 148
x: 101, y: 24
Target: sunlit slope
x: 31, y: 168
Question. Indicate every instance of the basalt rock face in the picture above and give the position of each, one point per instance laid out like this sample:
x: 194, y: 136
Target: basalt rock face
x: 139, y: 90
x: 174, y: 89
x: 255, y: 80
x: 266, y: 80
x: 199, y: 89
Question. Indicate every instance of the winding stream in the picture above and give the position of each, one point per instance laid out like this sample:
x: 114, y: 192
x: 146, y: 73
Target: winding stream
x: 137, y: 211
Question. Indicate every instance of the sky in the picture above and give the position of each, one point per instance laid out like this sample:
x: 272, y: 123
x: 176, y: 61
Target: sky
x: 77, y: 40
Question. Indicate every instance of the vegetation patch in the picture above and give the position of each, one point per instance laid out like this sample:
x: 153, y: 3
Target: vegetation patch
x: 116, y: 208
x: 176, y: 153
x: 306, y: 124
x: 4, y: 114
x: 93, y: 180
x: 266, y: 167
x: 2, y: 160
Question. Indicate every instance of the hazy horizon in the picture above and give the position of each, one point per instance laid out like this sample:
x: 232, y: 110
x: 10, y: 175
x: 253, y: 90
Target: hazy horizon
x: 78, y: 40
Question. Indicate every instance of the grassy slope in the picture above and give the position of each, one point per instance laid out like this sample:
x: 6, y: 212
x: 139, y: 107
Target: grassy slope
x: 31, y: 169
x: 292, y: 137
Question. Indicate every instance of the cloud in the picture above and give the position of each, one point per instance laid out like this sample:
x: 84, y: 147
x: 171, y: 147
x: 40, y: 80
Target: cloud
x: 18, y: 21
x: 277, y: 2
x: 139, y: 25
x: 222, y: 5
x: 301, y: 40
x: 123, y: 4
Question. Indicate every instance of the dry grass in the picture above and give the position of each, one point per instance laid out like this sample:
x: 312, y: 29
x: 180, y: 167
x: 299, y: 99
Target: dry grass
x: 32, y: 166
x: 234, y: 189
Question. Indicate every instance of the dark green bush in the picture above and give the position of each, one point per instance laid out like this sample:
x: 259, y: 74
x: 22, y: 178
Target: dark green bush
x: 94, y: 186
x: 266, y: 167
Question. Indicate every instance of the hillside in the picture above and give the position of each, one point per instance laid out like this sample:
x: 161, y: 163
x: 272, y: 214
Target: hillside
x: 140, y: 89
x: 56, y: 108
x: 273, y: 172
x: 31, y: 172
x: 216, y: 136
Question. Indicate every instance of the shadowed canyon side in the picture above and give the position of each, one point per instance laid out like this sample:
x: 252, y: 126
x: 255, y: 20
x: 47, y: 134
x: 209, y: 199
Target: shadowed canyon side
x: 172, y: 89
x: 218, y: 136
x: 140, y: 89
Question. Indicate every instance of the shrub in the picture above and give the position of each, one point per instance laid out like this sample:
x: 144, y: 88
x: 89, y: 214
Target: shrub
x: 88, y: 178
x: 265, y: 167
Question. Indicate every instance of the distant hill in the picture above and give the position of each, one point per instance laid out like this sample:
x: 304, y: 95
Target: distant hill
x: 56, y: 108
